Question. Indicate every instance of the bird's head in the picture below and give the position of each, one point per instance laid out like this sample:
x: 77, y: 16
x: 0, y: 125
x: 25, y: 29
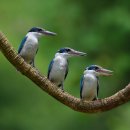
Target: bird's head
x: 98, y: 70
x: 69, y: 52
x: 41, y: 32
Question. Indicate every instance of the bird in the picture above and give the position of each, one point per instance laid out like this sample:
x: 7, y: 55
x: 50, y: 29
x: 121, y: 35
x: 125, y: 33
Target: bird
x: 29, y: 45
x: 89, y: 83
x: 58, y: 67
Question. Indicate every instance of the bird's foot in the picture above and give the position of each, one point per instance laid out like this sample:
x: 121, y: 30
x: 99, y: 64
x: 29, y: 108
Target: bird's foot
x: 62, y: 89
x: 37, y: 70
x: 96, y: 99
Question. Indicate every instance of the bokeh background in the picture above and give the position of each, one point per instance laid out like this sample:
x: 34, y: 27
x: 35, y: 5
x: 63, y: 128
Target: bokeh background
x: 100, y: 28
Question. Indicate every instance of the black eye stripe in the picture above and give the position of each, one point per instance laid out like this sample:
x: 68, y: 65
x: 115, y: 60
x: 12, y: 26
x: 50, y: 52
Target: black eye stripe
x: 93, y: 68
x: 63, y: 50
x: 34, y: 29
x: 67, y: 50
x: 39, y: 30
x: 96, y: 68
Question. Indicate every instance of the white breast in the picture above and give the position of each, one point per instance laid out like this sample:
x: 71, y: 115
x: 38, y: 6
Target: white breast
x: 89, y: 91
x: 29, y: 49
x: 57, y: 73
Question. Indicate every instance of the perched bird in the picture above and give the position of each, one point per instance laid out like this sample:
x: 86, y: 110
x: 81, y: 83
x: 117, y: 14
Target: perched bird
x: 29, y: 45
x: 89, y: 84
x: 58, y: 68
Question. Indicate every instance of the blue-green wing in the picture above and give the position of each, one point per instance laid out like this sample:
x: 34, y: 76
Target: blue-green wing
x: 97, y: 86
x: 22, y: 44
x: 49, y: 68
x: 67, y: 69
x: 81, y: 86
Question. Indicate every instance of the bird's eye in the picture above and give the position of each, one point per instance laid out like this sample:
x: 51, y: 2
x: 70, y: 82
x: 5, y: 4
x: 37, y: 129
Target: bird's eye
x: 96, y: 68
x: 39, y: 30
x: 67, y: 50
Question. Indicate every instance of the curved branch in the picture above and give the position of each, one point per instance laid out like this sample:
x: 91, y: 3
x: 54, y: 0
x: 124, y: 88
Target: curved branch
x: 41, y: 81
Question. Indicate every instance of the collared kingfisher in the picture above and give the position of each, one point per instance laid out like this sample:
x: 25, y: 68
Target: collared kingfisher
x: 29, y: 45
x: 58, y: 68
x: 89, y: 84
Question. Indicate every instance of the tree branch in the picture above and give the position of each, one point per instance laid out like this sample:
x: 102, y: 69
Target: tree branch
x: 41, y: 81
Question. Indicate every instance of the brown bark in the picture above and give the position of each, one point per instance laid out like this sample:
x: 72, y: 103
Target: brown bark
x: 41, y: 81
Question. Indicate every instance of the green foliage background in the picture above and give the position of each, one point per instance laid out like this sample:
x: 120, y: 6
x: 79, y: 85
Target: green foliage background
x: 100, y: 28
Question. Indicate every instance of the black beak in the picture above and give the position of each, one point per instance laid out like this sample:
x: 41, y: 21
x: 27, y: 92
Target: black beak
x: 77, y: 53
x: 48, y: 33
x: 105, y: 72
